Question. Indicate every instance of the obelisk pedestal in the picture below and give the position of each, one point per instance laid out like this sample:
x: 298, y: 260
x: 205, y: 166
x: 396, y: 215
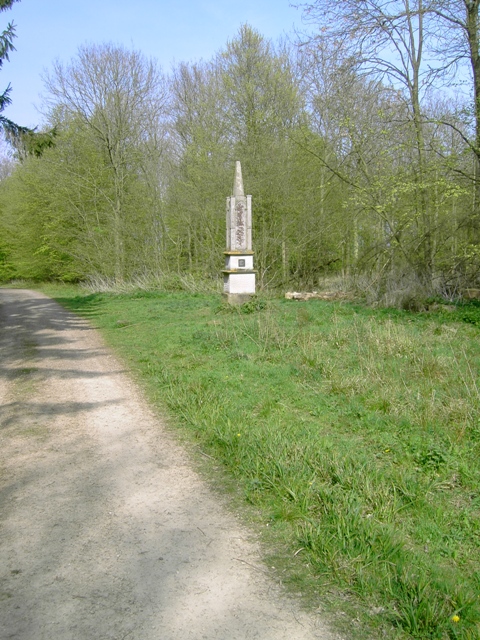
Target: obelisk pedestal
x: 239, y: 274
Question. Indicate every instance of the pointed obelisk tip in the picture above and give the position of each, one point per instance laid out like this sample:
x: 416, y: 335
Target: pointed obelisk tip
x: 238, y: 183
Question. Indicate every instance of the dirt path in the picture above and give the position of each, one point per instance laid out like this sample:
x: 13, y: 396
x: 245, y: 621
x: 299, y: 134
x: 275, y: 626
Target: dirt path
x: 106, y: 532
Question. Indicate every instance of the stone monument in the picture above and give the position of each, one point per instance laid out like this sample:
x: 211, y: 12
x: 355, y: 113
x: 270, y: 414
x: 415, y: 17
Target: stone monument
x: 239, y: 274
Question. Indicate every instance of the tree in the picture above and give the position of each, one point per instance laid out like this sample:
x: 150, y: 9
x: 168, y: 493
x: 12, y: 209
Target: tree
x: 118, y: 99
x: 200, y: 170
x: 457, y: 43
x: 387, y: 41
x: 6, y: 46
x: 9, y: 127
x: 262, y: 106
x: 238, y: 106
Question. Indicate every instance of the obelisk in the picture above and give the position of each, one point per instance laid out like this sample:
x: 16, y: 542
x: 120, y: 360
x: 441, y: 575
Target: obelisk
x: 239, y: 274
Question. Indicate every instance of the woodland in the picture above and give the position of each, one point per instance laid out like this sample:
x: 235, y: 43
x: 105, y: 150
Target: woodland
x: 359, y: 140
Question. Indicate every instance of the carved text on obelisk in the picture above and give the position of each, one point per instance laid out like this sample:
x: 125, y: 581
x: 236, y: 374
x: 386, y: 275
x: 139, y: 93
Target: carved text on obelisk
x: 240, y: 225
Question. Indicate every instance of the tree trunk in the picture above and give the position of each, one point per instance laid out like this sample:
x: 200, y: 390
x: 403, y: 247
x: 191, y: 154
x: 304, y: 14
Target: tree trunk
x: 472, y: 9
x: 118, y: 242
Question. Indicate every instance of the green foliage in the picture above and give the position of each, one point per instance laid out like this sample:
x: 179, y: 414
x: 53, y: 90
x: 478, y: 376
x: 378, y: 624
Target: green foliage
x: 255, y: 304
x: 353, y: 432
x: 6, y: 268
x: 470, y: 312
x: 85, y: 200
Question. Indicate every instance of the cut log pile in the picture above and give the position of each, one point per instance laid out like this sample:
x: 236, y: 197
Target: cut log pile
x: 316, y: 295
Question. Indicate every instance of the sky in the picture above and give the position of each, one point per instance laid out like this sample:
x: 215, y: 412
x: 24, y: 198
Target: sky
x: 167, y: 30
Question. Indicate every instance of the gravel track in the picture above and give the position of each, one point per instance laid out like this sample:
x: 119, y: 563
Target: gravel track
x: 106, y: 532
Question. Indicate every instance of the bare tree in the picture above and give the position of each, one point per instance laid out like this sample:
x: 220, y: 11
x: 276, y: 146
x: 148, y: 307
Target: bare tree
x: 386, y: 40
x: 120, y: 98
x: 456, y: 44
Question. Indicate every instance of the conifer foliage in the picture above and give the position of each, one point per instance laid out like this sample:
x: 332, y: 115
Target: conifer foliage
x: 6, y: 46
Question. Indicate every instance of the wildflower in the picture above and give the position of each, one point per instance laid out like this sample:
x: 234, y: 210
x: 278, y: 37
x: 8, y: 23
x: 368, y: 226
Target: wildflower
x: 387, y: 450
x: 238, y: 435
x: 455, y: 618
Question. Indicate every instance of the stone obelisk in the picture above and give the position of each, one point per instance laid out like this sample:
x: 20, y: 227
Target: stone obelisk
x: 239, y: 274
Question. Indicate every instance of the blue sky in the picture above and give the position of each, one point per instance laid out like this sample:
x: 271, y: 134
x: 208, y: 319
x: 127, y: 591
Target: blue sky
x: 168, y: 30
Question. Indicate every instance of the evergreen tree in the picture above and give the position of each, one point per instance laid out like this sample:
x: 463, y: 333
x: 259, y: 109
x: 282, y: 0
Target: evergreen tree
x: 12, y: 129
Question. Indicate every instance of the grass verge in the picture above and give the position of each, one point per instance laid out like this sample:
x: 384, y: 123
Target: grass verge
x: 354, y: 433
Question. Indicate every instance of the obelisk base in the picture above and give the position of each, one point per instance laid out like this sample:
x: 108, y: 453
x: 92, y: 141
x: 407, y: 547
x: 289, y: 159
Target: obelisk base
x: 237, y: 298
x: 239, y: 276
x: 238, y: 286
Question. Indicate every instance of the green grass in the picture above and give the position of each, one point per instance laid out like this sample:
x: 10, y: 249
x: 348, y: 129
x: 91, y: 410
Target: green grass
x: 353, y: 433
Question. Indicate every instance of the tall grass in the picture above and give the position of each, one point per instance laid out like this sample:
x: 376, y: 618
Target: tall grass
x: 148, y: 281
x: 355, y: 433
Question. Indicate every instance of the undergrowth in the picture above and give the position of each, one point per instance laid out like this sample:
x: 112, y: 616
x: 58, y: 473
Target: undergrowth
x: 354, y: 432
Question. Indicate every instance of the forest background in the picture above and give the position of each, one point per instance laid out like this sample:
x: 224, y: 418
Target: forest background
x: 359, y: 142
